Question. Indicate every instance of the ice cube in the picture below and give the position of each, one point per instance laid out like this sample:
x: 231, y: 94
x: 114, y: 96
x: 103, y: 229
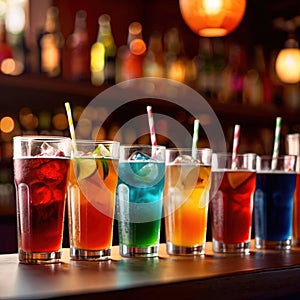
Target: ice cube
x: 37, y: 162
x: 186, y: 160
x: 48, y: 150
x: 58, y: 194
x: 137, y: 155
x: 78, y: 153
x: 147, y: 173
x: 40, y: 193
x: 52, y: 171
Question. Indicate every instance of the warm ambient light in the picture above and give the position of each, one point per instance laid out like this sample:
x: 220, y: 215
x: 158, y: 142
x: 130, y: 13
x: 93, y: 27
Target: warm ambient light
x: 7, y: 124
x: 287, y: 64
x: 212, y: 18
x: 136, y: 45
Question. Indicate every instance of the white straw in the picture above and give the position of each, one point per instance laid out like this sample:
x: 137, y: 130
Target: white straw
x: 152, y: 131
x: 151, y: 126
x: 195, y: 138
x: 236, y: 137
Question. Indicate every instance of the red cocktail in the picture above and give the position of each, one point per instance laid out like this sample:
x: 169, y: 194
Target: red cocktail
x: 41, y: 189
x: 41, y: 183
x: 231, y: 207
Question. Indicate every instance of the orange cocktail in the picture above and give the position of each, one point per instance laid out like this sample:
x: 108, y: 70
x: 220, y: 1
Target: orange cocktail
x: 91, y: 202
x: 186, y: 198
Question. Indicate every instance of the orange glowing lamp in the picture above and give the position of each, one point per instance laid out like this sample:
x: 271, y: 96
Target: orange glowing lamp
x: 212, y: 18
x: 287, y: 63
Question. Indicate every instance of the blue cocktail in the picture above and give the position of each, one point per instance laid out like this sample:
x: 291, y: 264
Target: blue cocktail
x: 273, y: 202
x: 139, y: 202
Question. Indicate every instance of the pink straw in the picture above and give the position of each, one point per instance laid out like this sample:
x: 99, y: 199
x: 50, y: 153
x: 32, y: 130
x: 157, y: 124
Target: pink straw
x: 151, y: 126
x: 236, y: 137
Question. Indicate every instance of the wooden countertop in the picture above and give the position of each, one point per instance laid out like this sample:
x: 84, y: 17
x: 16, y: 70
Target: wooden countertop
x: 262, y: 274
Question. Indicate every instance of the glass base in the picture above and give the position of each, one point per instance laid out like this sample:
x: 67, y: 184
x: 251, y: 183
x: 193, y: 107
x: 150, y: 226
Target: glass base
x: 181, y: 250
x: 128, y: 251
x: 90, y: 255
x: 221, y: 247
x: 26, y: 257
x: 275, y: 245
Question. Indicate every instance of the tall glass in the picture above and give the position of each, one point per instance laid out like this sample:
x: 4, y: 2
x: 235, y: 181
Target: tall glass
x: 231, y: 206
x: 275, y: 187
x: 186, y: 199
x: 91, y: 198
x: 41, y: 168
x: 139, y: 199
x: 293, y: 148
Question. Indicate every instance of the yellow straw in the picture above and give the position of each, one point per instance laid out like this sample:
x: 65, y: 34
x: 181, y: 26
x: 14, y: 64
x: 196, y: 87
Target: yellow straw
x: 71, y: 124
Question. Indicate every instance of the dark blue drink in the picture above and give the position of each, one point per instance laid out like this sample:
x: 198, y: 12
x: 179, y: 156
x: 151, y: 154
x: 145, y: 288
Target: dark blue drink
x: 273, y: 203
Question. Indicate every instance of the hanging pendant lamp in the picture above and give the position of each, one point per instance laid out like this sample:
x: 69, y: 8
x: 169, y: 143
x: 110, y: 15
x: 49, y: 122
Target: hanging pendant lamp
x: 287, y: 63
x: 212, y: 18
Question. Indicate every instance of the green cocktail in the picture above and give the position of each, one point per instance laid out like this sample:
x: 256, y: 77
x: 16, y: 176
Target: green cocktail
x: 139, y: 203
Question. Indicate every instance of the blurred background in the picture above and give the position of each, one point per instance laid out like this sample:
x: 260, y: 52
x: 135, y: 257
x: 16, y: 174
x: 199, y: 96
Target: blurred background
x: 71, y: 50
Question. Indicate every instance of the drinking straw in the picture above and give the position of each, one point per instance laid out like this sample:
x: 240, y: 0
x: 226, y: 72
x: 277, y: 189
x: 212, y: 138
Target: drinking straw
x: 235, y: 146
x: 151, y: 126
x: 276, y: 143
x: 71, y: 124
x: 195, y: 137
x: 152, y: 130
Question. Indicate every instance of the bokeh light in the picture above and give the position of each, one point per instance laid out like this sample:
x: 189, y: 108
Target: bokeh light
x: 7, y: 124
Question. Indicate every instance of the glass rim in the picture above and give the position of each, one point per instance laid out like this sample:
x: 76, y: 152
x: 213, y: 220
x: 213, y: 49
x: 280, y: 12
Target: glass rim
x: 293, y: 135
x: 82, y: 141
x: 40, y: 138
x: 282, y: 156
x: 128, y: 146
x: 189, y: 149
x: 229, y: 154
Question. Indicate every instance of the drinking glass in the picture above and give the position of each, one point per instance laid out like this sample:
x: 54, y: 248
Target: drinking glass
x: 293, y: 148
x: 139, y: 199
x: 41, y: 168
x: 273, y: 201
x: 91, y: 198
x: 186, y: 199
x: 231, y: 206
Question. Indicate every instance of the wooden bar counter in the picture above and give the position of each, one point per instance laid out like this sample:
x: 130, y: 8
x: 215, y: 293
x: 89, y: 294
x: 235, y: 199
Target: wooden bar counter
x: 259, y: 275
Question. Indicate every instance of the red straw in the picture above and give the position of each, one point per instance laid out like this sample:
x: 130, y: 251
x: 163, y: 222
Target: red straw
x: 236, y: 137
x: 151, y: 126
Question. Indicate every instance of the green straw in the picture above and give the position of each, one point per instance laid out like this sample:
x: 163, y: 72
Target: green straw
x: 195, y: 137
x: 276, y: 143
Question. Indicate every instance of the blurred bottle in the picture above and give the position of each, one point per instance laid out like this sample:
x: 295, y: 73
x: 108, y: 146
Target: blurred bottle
x: 103, y: 54
x: 253, y: 87
x: 264, y: 70
x: 174, y: 55
x: 154, y: 62
x: 278, y: 88
x: 219, y: 65
x: 233, y: 75
x: 130, y: 58
x: 50, y: 45
x: 15, y: 21
x: 5, y: 48
x: 77, y: 56
x: 205, y: 82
